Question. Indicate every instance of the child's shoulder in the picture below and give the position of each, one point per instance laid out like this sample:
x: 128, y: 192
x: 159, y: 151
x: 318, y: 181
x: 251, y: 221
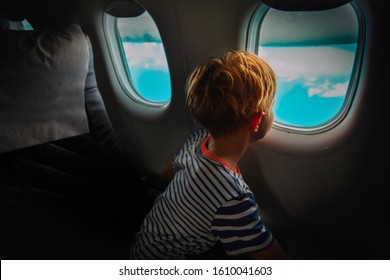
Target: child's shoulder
x: 197, y: 135
x: 193, y: 140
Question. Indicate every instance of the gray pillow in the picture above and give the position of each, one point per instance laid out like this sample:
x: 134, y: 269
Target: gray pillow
x: 42, y: 78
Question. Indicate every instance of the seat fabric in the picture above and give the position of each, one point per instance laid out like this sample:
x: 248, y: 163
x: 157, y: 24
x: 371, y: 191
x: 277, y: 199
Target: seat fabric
x: 78, y: 197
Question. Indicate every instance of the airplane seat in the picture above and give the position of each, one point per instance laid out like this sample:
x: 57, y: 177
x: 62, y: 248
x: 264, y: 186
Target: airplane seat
x: 68, y: 189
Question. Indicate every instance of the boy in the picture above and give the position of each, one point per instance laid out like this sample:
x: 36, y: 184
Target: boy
x: 207, y: 205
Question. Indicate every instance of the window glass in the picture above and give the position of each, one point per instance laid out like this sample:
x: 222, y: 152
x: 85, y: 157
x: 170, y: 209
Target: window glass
x: 26, y: 25
x: 145, y: 58
x: 314, y: 57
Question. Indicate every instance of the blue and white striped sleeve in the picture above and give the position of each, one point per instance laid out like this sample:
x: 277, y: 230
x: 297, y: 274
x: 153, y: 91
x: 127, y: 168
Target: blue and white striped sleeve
x: 240, y: 228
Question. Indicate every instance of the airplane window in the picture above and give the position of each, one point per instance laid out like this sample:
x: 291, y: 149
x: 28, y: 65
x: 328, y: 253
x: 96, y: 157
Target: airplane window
x: 143, y: 54
x: 316, y: 56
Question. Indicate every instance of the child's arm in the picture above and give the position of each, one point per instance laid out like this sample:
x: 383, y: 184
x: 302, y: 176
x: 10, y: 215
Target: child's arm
x: 249, y: 232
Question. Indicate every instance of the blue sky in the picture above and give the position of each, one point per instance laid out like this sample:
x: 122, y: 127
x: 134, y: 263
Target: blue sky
x: 146, y: 57
x: 149, y: 70
x: 312, y: 81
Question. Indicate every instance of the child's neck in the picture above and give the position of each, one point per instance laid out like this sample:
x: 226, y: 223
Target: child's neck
x: 229, y: 148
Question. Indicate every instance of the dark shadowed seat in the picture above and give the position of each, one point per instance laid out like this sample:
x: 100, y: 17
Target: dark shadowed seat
x: 68, y: 190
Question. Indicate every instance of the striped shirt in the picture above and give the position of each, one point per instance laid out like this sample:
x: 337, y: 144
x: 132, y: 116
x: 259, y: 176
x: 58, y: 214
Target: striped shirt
x: 206, y: 202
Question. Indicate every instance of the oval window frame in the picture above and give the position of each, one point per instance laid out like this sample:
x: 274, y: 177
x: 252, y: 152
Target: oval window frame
x: 252, y: 44
x: 119, y: 59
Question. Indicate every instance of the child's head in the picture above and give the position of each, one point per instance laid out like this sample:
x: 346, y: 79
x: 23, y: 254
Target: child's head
x: 227, y: 92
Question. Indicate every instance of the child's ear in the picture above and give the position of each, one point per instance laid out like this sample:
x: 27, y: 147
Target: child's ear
x: 255, y: 123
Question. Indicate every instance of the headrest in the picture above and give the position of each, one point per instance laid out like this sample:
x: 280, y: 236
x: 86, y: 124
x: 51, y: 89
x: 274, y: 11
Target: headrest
x: 42, y: 79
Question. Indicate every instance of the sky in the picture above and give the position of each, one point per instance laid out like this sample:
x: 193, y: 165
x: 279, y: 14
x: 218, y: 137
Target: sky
x: 312, y: 81
x: 146, y: 57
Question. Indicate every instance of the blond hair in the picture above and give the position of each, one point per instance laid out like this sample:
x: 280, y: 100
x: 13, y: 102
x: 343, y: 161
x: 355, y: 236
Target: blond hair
x: 226, y: 92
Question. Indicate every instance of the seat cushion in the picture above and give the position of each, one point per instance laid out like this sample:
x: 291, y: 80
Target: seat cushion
x: 68, y: 200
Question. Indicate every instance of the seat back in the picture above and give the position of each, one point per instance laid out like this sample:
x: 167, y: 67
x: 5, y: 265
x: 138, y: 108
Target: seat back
x: 68, y: 190
x: 42, y: 78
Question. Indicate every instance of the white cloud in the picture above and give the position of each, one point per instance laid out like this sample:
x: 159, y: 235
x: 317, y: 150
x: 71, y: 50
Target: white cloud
x: 138, y: 26
x: 328, y: 89
x: 146, y: 55
x: 310, y: 64
x: 314, y: 91
x: 292, y: 63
